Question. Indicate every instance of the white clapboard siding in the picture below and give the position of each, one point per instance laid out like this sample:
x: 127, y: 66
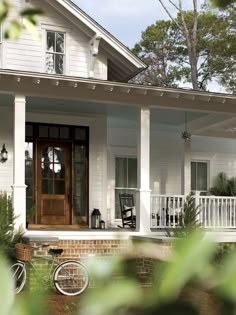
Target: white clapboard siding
x: 27, y: 54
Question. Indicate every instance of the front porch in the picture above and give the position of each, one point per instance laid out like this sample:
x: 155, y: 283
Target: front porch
x: 122, y: 122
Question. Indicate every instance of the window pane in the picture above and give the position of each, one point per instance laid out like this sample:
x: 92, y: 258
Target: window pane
x: 132, y: 173
x: 80, y: 153
x: 121, y: 172
x: 59, y: 60
x: 193, y: 176
x: 64, y: 133
x: 201, y: 176
x: 29, y: 188
x: 54, y: 132
x: 50, y: 63
x: 29, y: 131
x: 60, y: 37
x: 43, y: 131
x: 80, y: 134
x: 51, y: 41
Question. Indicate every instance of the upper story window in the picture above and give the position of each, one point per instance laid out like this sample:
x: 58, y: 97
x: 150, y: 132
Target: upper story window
x: 55, y: 52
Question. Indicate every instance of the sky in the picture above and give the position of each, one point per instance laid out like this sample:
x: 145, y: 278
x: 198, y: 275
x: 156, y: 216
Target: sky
x: 125, y: 19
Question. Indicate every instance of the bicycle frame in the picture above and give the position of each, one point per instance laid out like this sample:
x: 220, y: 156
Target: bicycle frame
x: 41, y: 276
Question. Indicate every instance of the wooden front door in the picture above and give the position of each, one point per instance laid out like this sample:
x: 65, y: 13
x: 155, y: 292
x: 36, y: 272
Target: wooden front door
x: 53, y: 183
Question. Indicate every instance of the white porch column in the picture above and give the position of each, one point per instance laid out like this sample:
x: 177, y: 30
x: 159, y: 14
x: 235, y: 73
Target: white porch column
x: 19, y: 187
x: 186, y: 168
x: 143, y: 152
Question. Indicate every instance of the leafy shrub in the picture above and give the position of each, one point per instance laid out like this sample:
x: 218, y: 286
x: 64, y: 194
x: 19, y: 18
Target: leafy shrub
x: 223, y: 186
x: 8, y: 236
x: 188, y: 219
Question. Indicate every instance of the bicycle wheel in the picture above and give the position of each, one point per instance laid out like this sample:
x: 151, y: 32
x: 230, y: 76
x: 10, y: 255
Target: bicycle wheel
x: 71, y: 278
x: 19, y: 275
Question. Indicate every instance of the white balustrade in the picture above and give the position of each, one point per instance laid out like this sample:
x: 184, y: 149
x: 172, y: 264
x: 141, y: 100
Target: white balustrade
x: 214, y: 211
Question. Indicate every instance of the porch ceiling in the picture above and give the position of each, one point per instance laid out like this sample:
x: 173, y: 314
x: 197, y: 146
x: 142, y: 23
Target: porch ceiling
x: 208, y: 113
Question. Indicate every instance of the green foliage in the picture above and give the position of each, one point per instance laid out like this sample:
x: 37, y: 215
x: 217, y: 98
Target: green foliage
x: 190, y: 267
x: 222, y: 3
x: 27, y: 303
x: 26, y: 19
x: 8, y: 236
x: 223, y: 186
x: 165, y: 49
x: 188, y: 219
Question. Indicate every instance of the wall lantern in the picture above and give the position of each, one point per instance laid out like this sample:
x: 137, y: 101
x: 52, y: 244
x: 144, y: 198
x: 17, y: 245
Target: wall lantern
x: 95, y: 219
x: 3, y: 154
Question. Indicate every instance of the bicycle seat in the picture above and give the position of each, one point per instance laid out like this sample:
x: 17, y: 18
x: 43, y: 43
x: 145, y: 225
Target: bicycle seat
x: 55, y: 251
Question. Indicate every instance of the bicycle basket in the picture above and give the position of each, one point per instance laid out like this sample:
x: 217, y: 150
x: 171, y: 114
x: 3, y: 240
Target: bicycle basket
x: 24, y: 252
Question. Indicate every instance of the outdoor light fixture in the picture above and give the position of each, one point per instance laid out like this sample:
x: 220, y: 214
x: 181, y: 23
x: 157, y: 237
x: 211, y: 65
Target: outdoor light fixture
x: 3, y: 154
x: 185, y: 134
x: 95, y: 219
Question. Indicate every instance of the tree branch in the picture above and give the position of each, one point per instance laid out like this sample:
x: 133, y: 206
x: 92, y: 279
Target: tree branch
x: 170, y: 16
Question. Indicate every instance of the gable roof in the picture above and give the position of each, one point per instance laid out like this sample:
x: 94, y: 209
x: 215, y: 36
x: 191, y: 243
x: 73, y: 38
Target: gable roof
x: 121, y: 60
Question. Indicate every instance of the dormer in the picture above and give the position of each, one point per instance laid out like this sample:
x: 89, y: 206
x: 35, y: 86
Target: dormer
x: 72, y: 44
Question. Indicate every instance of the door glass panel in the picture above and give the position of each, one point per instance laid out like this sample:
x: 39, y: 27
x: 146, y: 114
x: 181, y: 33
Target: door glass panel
x: 47, y: 186
x: 59, y: 187
x: 52, y: 169
x: 47, y: 170
x: 59, y: 171
x: 59, y: 155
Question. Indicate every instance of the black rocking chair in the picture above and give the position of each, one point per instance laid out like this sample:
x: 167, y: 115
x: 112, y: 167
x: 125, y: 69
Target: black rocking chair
x: 127, y: 210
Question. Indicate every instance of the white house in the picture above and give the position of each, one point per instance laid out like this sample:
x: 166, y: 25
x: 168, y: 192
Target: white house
x: 77, y: 134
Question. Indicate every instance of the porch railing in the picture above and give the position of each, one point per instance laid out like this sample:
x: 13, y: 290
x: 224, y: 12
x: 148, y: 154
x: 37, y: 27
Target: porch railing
x: 214, y: 212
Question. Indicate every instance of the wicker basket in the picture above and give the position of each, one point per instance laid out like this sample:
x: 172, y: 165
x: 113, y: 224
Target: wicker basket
x: 24, y: 252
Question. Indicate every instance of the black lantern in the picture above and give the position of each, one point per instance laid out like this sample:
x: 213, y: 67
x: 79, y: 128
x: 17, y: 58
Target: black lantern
x: 95, y: 219
x: 3, y: 154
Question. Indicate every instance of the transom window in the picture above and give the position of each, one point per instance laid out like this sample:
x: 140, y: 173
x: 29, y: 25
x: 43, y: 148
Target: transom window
x: 55, y: 52
x: 126, y: 179
x: 199, y: 176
